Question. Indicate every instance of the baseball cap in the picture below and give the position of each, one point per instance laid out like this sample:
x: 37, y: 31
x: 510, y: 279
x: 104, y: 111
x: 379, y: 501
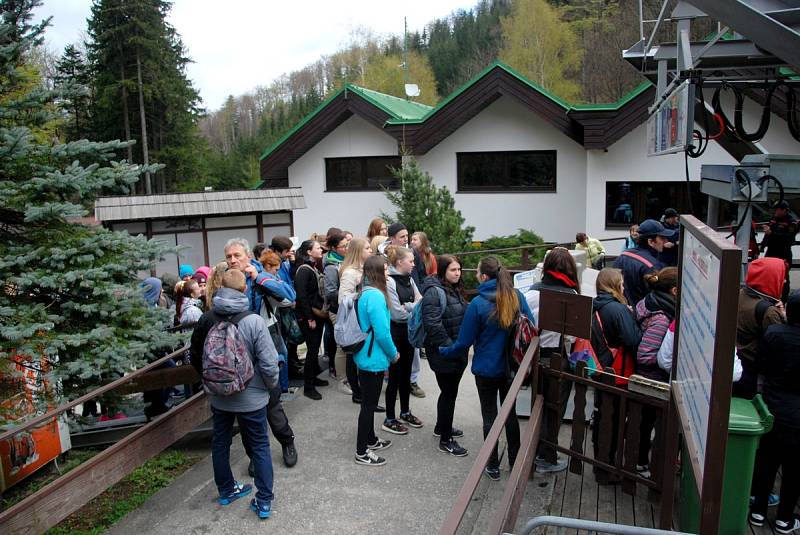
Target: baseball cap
x: 650, y: 228
x: 670, y: 212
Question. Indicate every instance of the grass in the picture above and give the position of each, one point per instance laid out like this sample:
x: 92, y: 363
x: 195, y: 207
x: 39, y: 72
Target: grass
x: 132, y: 491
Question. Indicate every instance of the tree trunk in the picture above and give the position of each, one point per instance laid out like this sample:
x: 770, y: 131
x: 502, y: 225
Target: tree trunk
x: 126, y: 125
x: 147, y: 187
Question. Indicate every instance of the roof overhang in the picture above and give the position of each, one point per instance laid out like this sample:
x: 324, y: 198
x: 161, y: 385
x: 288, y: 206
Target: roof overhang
x: 138, y: 207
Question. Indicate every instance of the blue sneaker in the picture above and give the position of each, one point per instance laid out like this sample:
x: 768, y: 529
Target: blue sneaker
x: 262, y: 509
x: 238, y: 491
x: 772, y: 501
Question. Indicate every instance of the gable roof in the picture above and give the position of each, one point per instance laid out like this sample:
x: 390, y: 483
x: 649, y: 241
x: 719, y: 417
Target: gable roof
x: 418, y: 128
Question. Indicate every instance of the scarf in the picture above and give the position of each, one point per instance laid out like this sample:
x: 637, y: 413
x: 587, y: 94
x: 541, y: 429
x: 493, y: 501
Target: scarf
x: 558, y: 278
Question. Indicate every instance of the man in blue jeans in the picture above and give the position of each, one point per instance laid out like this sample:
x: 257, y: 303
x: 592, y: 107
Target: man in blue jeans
x: 248, y: 406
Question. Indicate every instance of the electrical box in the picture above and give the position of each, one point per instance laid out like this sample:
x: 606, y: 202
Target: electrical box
x: 722, y: 182
x: 784, y: 167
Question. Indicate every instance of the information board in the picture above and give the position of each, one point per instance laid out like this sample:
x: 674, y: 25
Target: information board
x: 669, y: 127
x: 699, y: 291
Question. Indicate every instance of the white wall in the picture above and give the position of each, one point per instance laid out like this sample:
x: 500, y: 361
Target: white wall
x: 346, y: 210
x: 508, y: 125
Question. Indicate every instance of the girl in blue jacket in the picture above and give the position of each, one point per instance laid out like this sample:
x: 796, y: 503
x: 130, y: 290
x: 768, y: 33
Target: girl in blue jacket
x: 486, y: 327
x: 374, y: 358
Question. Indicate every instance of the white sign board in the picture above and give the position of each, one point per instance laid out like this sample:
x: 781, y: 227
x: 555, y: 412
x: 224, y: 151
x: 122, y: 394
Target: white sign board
x: 669, y: 127
x: 526, y: 279
x: 700, y: 288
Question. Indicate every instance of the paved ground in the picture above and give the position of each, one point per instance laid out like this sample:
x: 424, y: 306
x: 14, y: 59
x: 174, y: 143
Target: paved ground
x: 327, y: 492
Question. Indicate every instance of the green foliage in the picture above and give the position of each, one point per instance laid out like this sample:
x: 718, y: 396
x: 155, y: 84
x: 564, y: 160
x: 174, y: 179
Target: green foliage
x: 73, y: 74
x: 509, y: 259
x: 383, y: 75
x: 69, y: 297
x: 421, y: 205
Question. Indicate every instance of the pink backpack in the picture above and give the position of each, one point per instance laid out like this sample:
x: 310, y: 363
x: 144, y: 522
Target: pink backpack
x: 227, y: 365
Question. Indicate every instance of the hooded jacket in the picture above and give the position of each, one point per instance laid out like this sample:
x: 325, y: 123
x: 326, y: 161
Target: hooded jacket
x: 191, y: 310
x: 654, y: 314
x: 330, y: 268
x: 373, y: 312
x: 479, y: 329
x: 619, y: 328
x: 764, y: 283
x: 228, y: 303
x: 633, y: 272
x: 442, y: 326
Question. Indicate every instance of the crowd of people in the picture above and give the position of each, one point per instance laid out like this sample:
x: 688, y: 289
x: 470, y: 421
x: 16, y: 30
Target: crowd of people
x: 280, y: 296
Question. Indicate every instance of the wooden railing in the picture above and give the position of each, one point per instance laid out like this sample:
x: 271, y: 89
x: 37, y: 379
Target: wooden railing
x: 54, y: 502
x: 506, y: 514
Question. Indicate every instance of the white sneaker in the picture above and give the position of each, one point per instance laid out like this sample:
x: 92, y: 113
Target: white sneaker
x: 344, y: 388
x: 787, y: 527
x: 370, y: 459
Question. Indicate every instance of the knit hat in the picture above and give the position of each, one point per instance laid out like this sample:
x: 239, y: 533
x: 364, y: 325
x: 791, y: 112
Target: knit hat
x: 394, y: 228
x: 185, y: 270
x: 766, y: 275
x: 202, y: 274
x: 152, y: 290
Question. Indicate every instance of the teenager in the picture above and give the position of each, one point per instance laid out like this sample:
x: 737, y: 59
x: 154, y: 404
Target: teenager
x: 420, y: 243
x: 441, y: 328
x: 201, y: 276
x: 643, y: 259
x: 188, y: 305
x: 403, y: 295
x: 351, y: 273
x: 595, y: 252
x: 214, y: 283
x: 559, y: 273
x: 486, y: 326
x: 779, y: 359
x: 310, y: 312
x: 377, y: 227
x: 654, y: 313
x: 631, y: 240
x: 374, y: 358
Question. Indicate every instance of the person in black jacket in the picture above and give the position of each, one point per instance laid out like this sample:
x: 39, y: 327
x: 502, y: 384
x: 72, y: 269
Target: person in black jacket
x: 613, y: 326
x: 441, y: 328
x: 310, y: 312
x: 779, y: 361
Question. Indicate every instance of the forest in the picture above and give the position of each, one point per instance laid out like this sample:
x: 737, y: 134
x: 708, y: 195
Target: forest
x: 131, y: 72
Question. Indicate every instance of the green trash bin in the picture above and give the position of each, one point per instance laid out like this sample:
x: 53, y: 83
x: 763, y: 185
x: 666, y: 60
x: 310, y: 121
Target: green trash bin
x: 748, y: 421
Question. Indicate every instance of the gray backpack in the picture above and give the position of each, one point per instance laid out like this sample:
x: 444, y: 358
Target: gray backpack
x: 227, y: 365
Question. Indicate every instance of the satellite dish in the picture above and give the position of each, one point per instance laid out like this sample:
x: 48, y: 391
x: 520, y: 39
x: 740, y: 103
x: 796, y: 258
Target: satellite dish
x: 412, y: 90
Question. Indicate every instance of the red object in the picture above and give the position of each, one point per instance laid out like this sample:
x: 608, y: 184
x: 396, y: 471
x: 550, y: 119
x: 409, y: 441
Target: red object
x: 624, y: 363
x: 766, y: 275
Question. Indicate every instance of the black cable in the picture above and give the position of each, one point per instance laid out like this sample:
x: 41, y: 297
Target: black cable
x: 792, y: 118
x: 768, y: 178
x: 701, y: 148
x: 763, y: 125
x: 688, y: 181
x: 741, y: 176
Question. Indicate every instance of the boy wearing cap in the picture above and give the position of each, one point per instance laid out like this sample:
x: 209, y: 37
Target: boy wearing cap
x: 637, y: 262
x: 669, y: 256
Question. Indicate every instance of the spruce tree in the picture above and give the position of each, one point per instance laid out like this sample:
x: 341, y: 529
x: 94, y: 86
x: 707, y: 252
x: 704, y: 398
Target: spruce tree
x: 70, y: 301
x: 72, y: 73
x: 421, y: 205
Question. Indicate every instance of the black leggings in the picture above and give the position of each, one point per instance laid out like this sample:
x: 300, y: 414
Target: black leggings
x: 778, y: 449
x: 399, y: 375
x: 446, y: 406
x: 371, y: 384
x: 488, y: 389
x: 352, y: 375
x: 313, y: 340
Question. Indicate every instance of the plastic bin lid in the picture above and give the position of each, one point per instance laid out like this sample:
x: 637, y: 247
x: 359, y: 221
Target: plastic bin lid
x: 749, y: 417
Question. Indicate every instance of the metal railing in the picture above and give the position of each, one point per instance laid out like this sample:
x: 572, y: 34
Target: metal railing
x: 591, y: 525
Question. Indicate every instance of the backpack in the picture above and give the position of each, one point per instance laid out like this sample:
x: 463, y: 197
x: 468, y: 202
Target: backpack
x: 582, y: 351
x: 624, y: 363
x: 347, y: 331
x: 520, y: 335
x: 416, y: 327
x: 227, y: 365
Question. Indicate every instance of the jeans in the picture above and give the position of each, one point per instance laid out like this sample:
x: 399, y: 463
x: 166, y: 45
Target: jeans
x: 276, y: 416
x: 330, y: 344
x: 283, y: 377
x: 446, y: 405
x: 488, y: 389
x: 415, y: 366
x: 313, y: 340
x: 352, y: 375
x: 399, y: 377
x: 371, y: 384
x: 778, y: 449
x: 253, y: 427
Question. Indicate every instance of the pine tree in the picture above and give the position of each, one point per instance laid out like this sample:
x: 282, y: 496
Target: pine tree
x: 70, y: 301
x: 421, y: 205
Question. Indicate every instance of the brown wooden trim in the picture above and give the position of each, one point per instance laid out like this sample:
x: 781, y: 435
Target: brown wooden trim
x: 54, y: 502
x: 206, y: 255
x: 259, y: 228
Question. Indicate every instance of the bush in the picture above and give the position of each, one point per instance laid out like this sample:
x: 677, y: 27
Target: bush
x: 510, y: 259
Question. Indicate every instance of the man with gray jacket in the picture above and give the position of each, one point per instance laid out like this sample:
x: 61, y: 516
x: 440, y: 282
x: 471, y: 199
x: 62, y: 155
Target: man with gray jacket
x: 248, y: 406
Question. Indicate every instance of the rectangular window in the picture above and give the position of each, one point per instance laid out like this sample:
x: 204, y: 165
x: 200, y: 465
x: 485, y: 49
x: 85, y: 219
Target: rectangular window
x: 507, y: 171
x: 370, y: 173
x: 629, y: 203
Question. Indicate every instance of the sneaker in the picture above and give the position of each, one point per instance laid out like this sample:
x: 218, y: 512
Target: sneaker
x: 370, y: 459
x: 453, y: 448
x: 544, y: 467
x: 320, y: 382
x: 416, y: 391
x: 262, y: 509
x: 344, y: 388
x: 411, y: 420
x: 643, y: 470
x: 772, y: 500
x: 238, y: 491
x: 312, y: 394
x: 289, y: 455
x: 782, y: 526
x: 756, y: 519
x: 393, y: 426
x: 380, y: 408
x: 493, y: 473
x: 380, y: 444
x: 455, y: 433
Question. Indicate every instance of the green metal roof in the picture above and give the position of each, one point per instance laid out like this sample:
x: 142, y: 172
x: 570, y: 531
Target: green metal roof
x: 632, y: 94
x: 399, y: 108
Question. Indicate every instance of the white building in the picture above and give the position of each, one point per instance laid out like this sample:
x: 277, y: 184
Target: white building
x: 513, y: 156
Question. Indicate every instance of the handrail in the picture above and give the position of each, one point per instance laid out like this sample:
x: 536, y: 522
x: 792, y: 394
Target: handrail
x: 592, y: 525
x: 91, y: 395
x: 544, y: 245
x: 459, y: 509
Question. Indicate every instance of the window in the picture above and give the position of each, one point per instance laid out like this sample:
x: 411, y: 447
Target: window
x: 371, y: 173
x: 629, y: 203
x: 530, y: 170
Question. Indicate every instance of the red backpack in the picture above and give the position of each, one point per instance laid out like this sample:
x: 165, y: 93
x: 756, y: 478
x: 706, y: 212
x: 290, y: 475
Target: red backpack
x: 520, y: 335
x: 624, y: 363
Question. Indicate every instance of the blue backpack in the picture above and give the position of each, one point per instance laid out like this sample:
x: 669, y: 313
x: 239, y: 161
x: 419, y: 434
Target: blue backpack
x: 416, y: 328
